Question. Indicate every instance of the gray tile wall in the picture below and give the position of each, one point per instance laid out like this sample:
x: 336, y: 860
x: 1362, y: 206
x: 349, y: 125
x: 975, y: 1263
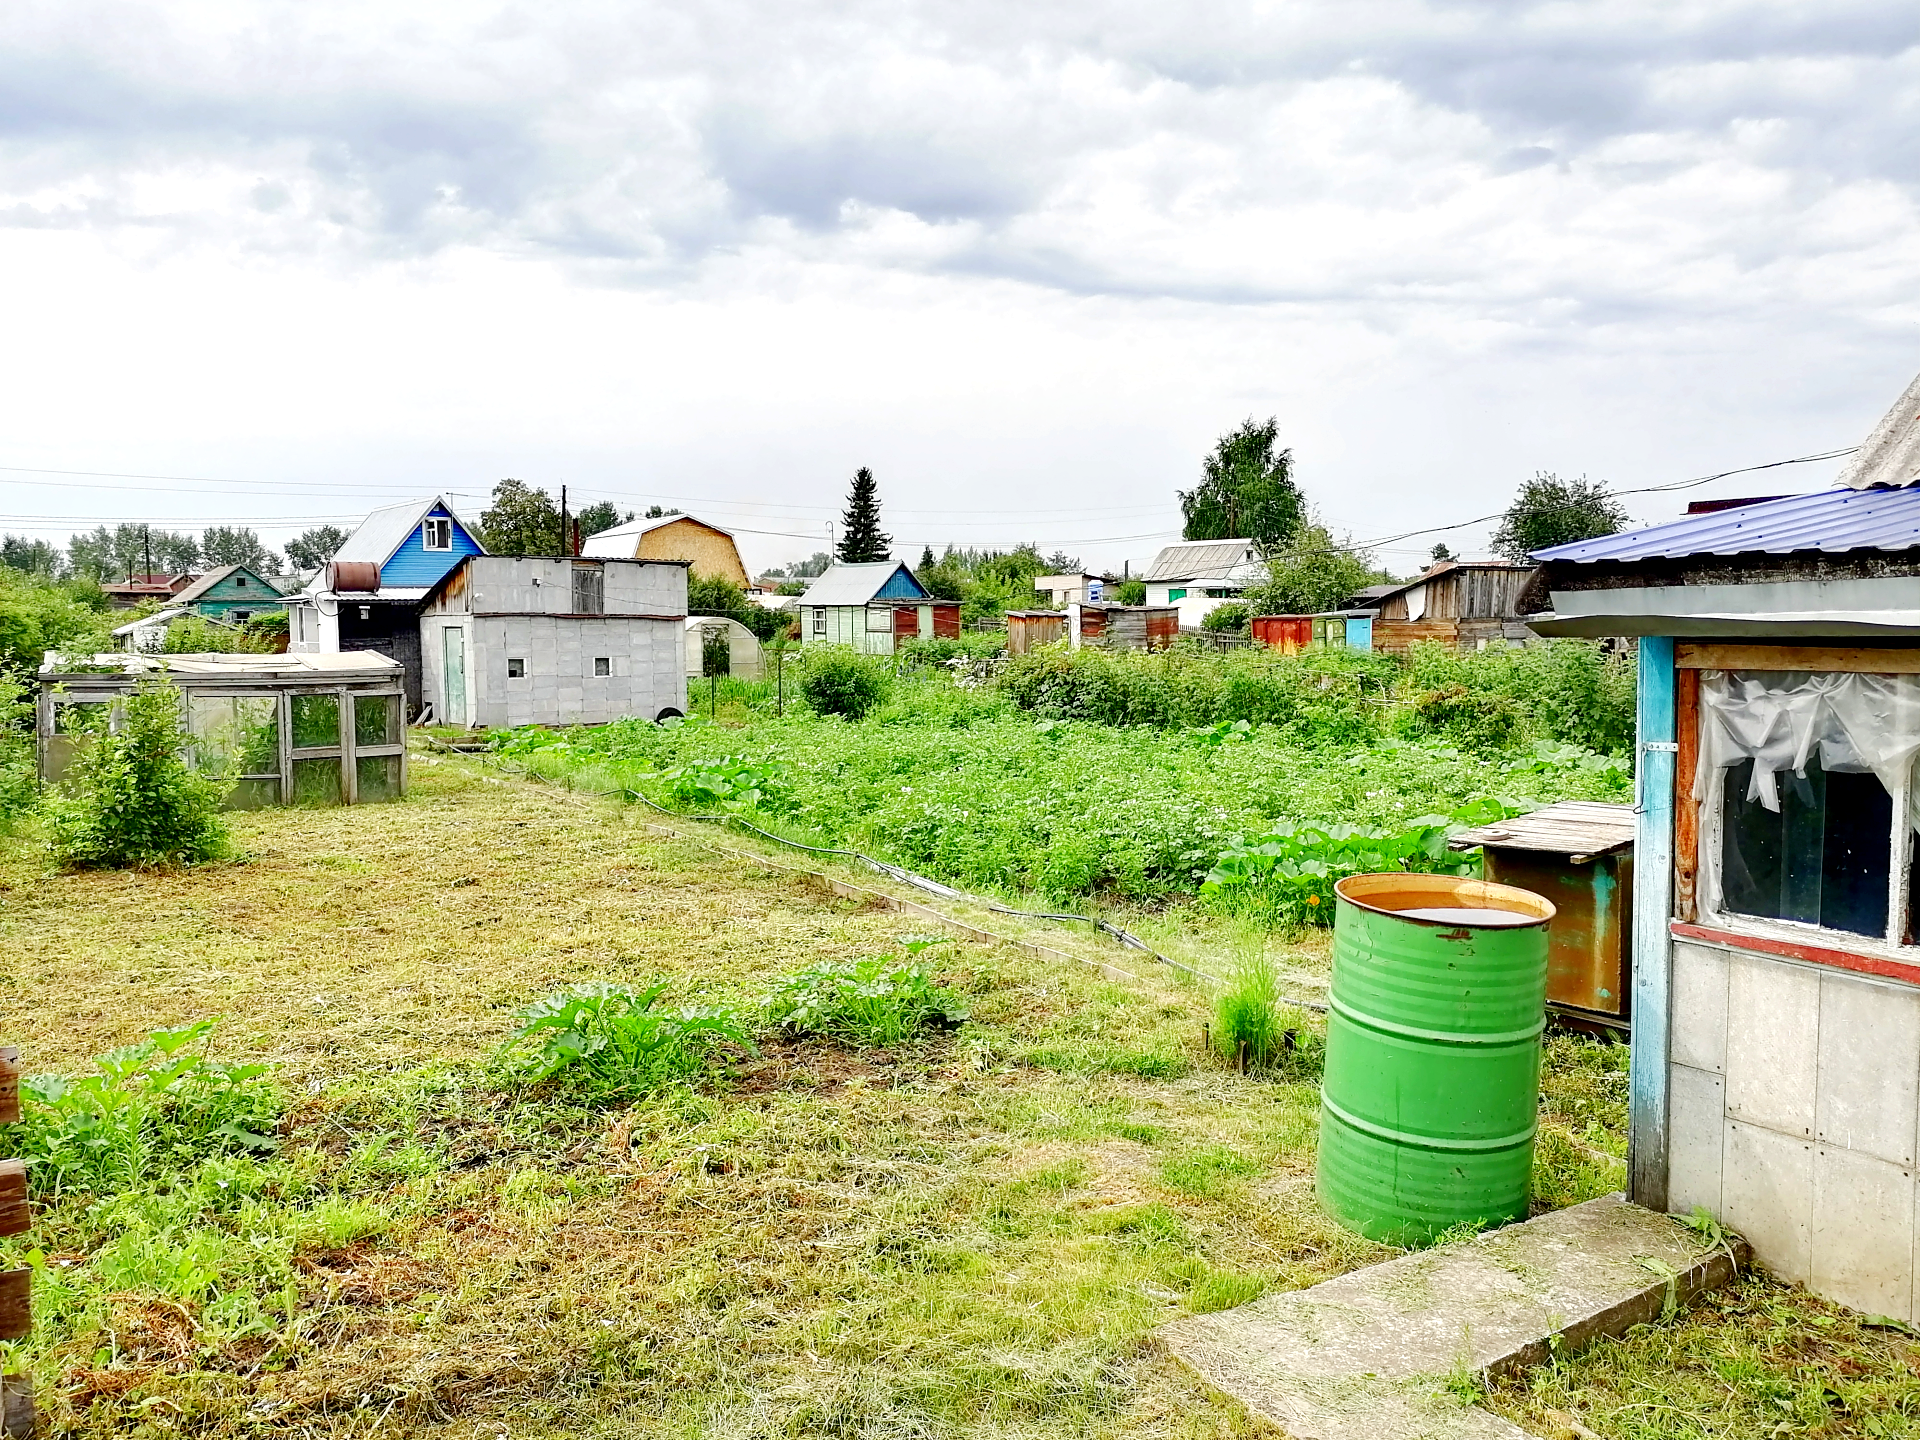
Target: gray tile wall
x: 1794, y: 1117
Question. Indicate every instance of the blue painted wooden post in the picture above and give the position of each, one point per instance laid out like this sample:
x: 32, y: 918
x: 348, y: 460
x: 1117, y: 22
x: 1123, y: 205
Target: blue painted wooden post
x: 1652, y: 946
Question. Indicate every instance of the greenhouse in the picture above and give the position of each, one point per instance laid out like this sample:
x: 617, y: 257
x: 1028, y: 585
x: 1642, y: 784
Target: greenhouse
x: 322, y: 729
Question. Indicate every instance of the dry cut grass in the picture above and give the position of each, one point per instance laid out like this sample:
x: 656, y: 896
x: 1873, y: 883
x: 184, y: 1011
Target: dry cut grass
x: 975, y: 1236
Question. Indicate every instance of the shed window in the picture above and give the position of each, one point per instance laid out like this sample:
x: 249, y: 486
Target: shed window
x: 1807, y: 780
x: 438, y: 533
x: 880, y: 618
x: 603, y: 665
x: 589, y: 591
x: 516, y: 668
x: 819, y: 619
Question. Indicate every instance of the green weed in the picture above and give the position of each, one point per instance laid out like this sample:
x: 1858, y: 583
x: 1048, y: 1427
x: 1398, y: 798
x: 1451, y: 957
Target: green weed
x: 611, y: 1042
x: 882, y: 1001
x: 149, y: 1110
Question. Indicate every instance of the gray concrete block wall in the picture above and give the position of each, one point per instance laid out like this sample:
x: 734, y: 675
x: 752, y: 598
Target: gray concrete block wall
x: 1794, y: 1117
x: 559, y: 687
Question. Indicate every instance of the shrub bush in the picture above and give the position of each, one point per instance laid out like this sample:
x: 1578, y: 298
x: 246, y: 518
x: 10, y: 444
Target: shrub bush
x: 19, y: 777
x: 1231, y: 616
x: 197, y: 635
x: 130, y: 799
x: 1325, y: 696
x: 610, y: 1042
x: 151, y: 1109
x: 838, y: 680
x: 883, y: 1001
x: 1571, y: 691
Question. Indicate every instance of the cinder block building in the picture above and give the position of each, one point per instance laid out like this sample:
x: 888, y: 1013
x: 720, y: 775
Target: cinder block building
x: 1776, y: 955
x: 508, y: 642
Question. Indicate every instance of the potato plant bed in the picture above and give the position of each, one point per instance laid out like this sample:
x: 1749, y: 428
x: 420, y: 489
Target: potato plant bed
x: 969, y: 1232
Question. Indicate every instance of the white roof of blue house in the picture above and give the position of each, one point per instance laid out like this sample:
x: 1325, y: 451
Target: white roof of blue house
x: 385, y: 530
x: 859, y: 584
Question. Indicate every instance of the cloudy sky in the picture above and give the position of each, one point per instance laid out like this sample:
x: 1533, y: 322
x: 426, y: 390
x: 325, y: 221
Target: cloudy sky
x: 288, y: 261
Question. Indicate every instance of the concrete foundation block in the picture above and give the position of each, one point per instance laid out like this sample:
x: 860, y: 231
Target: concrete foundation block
x: 1699, y: 1008
x: 1766, y: 1193
x: 1696, y: 1136
x: 1366, y: 1356
x: 1864, y: 1102
x: 1773, y: 1027
x: 1862, y: 1223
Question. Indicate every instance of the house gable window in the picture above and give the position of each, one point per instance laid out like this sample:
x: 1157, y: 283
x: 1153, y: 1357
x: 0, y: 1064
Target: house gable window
x: 437, y: 533
x: 1807, y: 794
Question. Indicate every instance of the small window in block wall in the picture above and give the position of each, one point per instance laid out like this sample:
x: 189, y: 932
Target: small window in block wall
x: 516, y: 668
x: 602, y: 665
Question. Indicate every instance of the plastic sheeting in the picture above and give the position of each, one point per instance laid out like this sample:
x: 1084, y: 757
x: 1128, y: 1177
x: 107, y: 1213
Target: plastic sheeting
x: 1778, y: 719
x: 1784, y: 721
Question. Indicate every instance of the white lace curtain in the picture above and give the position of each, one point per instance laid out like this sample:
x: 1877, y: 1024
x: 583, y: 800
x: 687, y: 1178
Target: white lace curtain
x: 1780, y: 719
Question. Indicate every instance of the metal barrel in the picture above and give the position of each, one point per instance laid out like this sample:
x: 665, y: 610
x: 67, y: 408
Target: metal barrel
x: 1431, y: 1094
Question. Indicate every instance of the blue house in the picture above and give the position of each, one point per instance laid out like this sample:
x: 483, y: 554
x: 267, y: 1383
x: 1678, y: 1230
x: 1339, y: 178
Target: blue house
x: 371, y: 594
x: 871, y: 606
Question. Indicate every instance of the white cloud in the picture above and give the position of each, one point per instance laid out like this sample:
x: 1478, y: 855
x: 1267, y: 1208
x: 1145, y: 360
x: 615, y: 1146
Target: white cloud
x: 988, y: 239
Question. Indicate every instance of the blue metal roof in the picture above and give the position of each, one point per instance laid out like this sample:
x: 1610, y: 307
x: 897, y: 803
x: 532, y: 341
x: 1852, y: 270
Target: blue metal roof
x: 1830, y: 520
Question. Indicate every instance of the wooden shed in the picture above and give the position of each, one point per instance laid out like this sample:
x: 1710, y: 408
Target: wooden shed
x: 1123, y: 627
x: 1029, y: 628
x: 1467, y: 604
x: 1579, y: 855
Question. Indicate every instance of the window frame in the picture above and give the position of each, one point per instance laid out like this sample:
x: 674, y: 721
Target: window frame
x: 819, y: 619
x: 602, y: 667
x: 512, y: 672
x: 436, y: 525
x: 1701, y: 824
x: 885, y: 616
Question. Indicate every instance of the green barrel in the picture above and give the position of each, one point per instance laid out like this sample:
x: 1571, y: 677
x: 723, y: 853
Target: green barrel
x: 1430, y: 1099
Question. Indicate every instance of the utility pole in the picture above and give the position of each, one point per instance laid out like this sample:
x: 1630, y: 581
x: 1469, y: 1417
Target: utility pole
x: 563, y: 520
x: 146, y: 540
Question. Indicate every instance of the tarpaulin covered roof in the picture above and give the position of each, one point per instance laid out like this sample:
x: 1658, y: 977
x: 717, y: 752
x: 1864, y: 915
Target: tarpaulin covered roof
x: 1831, y: 520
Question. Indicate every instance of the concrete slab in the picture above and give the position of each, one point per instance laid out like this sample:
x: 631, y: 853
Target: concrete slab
x: 1367, y: 1356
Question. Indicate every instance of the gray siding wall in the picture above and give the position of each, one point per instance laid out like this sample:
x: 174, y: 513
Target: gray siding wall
x: 498, y: 583
x: 560, y: 687
x: 1794, y: 1116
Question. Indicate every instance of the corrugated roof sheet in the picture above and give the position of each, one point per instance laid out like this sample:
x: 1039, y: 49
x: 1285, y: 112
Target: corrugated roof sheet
x: 1235, y: 560
x: 854, y: 584
x: 1891, y: 454
x: 1830, y: 520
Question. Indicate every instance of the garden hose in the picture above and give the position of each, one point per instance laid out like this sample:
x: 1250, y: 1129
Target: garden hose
x: 882, y: 867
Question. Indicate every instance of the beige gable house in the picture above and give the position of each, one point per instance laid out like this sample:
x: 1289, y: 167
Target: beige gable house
x: 707, y: 548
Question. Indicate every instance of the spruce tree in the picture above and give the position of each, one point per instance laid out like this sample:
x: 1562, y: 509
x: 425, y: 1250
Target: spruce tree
x: 861, y: 540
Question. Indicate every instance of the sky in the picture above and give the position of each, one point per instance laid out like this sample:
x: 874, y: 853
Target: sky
x: 276, y: 264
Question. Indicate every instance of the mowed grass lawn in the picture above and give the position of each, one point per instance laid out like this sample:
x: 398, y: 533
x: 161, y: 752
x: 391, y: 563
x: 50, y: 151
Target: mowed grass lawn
x: 975, y: 1236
